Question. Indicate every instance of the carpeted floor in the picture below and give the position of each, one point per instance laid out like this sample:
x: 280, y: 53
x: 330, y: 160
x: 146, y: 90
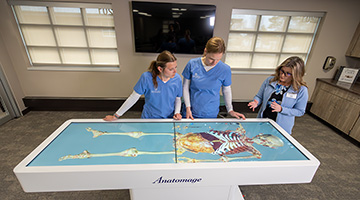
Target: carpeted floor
x: 338, y: 176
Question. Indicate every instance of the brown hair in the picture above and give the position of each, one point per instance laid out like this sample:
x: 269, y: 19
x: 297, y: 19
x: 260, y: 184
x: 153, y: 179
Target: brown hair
x: 215, y: 45
x: 297, y: 70
x: 163, y: 58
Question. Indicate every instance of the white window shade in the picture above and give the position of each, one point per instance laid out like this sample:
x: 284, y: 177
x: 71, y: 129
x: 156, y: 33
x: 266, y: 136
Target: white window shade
x: 273, y: 23
x: 101, y: 37
x: 99, y: 17
x: 38, y: 36
x: 297, y: 43
x: 241, y: 42
x: 264, y: 61
x: 303, y: 24
x: 269, y: 42
x: 107, y: 57
x: 243, y: 22
x: 44, y: 55
x: 70, y: 37
x: 32, y: 14
x: 238, y: 60
x: 75, y: 56
x: 66, y: 16
x: 284, y: 56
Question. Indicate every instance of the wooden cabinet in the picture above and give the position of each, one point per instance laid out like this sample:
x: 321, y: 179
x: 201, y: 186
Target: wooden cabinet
x: 355, y: 132
x: 354, y: 47
x: 338, y: 106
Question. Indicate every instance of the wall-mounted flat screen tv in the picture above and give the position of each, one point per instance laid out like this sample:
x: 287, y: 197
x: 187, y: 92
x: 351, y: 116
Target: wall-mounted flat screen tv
x: 178, y: 28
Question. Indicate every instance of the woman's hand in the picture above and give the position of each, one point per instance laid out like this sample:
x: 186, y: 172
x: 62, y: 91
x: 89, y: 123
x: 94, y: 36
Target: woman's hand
x: 110, y: 118
x: 252, y: 105
x: 189, y: 113
x: 177, y: 116
x: 276, y: 107
x: 237, y: 115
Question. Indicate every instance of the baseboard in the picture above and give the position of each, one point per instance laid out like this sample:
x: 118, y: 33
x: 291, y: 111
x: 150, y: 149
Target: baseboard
x: 103, y: 104
x: 78, y: 104
x: 243, y: 107
x: 25, y: 111
x: 308, y: 107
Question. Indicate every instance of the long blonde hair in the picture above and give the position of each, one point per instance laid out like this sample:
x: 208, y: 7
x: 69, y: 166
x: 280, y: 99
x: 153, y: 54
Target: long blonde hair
x: 297, y: 70
x: 163, y: 58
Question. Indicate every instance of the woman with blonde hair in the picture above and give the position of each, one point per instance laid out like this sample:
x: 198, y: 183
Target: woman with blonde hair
x: 203, y: 78
x: 283, y: 95
x: 162, y: 88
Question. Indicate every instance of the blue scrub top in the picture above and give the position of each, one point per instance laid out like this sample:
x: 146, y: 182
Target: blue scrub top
x: 205, y: 87
x: 160, y: 101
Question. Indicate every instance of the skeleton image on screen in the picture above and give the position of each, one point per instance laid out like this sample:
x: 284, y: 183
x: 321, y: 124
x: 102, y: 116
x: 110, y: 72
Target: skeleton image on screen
x: 215, y: 142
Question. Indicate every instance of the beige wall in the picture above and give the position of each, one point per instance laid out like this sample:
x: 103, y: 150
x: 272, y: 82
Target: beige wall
x: 333, y: 39
x: 6, y: 63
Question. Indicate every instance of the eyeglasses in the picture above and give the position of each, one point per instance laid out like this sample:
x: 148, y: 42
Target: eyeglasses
x: 285, y: 73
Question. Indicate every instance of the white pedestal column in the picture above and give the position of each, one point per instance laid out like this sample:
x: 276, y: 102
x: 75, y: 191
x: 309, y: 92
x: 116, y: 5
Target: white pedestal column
x: 188, y: 193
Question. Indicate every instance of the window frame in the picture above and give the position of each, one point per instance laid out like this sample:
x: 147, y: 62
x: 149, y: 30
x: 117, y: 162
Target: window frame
x: 62, y: 66
x: 259, y: 14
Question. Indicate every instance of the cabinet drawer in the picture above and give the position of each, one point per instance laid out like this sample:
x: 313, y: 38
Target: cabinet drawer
x: 355, y: 132
x: 340, y: 93
x: 323, y: 105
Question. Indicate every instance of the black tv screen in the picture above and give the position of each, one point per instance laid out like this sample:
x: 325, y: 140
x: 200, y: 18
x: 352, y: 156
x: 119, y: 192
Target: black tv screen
x: 178, y: 28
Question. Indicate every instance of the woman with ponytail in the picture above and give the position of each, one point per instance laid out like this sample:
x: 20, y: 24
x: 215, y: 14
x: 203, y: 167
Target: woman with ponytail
x: 162, y: 88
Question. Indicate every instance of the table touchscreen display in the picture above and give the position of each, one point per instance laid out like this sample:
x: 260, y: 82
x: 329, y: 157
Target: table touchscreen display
x: 108, y: 143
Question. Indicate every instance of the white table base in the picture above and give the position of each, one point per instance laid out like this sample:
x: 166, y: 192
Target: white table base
x: 188, y: 193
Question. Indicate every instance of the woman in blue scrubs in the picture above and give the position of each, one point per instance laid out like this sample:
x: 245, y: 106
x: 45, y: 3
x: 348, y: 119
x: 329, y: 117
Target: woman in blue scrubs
x: 203, y: 79
x: 162, y: 88
x: 283, y: 95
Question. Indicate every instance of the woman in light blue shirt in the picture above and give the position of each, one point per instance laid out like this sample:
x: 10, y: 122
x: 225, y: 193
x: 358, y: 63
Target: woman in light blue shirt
x: 162, y: 88
x: 283, y: 95
x: 203, y: 79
